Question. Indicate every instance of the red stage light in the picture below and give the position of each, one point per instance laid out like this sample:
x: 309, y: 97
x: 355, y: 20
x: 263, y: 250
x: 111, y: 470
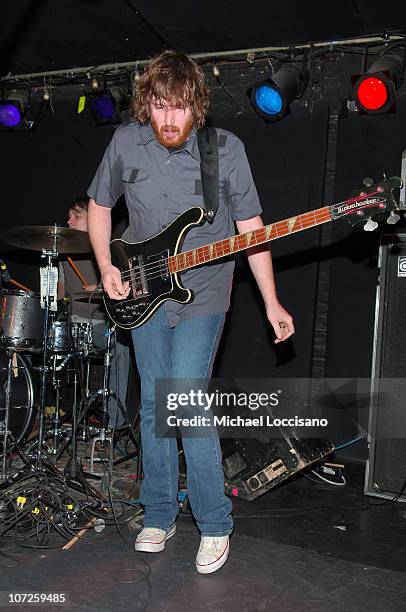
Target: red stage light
x: 374, y: 89
x: 372, y: 93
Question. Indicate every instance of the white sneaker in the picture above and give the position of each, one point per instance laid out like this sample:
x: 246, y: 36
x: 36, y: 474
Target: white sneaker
x: 152, y: 539
x: 212, y: 554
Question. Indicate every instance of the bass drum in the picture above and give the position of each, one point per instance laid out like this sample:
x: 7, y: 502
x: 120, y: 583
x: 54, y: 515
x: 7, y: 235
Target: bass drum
x: 22, y: 412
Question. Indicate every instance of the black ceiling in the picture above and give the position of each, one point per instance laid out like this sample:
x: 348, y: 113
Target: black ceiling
x: 43, y: 35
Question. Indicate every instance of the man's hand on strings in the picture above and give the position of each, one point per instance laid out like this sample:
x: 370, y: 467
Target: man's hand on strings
x: 114, y: 286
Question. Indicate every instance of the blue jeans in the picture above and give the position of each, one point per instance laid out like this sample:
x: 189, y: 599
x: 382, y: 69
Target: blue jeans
x: 185, y: 351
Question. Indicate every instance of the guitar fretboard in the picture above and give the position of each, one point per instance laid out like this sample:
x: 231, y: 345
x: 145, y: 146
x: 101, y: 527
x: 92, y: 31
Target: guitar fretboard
x: 241, y: 242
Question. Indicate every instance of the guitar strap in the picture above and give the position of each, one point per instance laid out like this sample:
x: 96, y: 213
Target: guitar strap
x: 209, y: 165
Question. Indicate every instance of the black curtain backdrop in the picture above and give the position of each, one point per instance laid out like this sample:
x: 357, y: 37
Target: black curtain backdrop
x: 287, y: 161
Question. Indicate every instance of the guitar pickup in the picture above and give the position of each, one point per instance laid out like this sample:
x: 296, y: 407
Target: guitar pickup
x: 163, y: 265
x: 138, y: 277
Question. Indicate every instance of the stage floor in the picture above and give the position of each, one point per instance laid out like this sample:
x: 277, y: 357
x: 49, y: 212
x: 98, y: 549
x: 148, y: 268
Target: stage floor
x: 304, y: 546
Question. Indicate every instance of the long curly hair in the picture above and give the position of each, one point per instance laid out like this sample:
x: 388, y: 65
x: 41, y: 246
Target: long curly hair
x: 174, y: 78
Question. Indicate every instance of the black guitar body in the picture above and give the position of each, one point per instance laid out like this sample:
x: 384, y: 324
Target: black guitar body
x: 145, y: 265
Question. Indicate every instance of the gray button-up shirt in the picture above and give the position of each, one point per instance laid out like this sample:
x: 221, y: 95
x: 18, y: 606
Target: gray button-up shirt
x: 159, y: 184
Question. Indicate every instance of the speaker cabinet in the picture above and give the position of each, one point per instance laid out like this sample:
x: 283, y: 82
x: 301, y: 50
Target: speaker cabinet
x: 386, y: 464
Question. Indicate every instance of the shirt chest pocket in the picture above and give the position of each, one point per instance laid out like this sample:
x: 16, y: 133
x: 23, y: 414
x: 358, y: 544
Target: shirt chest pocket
x: 138, y: 189
x: 136, y: 177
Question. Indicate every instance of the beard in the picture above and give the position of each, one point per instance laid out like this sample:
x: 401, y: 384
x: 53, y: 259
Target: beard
x: 172, y: 135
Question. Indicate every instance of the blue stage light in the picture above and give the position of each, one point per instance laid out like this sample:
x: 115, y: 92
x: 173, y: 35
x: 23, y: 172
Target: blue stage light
x: 271, y: 98
x: 268, y: 100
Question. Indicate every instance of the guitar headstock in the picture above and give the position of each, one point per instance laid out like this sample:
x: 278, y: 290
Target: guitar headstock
x: 373, y: 199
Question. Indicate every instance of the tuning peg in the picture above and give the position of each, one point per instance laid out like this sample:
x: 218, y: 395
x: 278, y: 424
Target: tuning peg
x: 368, y: 181
x: 370, y: 225
x: 393, y: 218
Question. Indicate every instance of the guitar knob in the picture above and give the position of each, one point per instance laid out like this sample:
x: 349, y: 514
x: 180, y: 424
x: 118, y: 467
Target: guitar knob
x: 370, y: 225
x: 393, y: 218
x: 368, y: 181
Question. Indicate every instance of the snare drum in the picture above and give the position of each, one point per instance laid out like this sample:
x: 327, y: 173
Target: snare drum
x: 21, y: 319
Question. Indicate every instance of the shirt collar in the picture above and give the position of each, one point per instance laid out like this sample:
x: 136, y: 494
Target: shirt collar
x: 148, y: 135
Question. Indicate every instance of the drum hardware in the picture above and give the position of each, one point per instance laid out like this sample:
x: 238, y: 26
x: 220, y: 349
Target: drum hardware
x: 64, y: 359
x: 82, y: 338
x: 104, y: 438
x: 72, y: 467
x: 6, y: 431
x: 81, y: 380
x: 37, y: 330
x: 49, y: 276
x: 50, y: 240
x: 56, y: 385
x: 57, y: 349
x: 7, y: 412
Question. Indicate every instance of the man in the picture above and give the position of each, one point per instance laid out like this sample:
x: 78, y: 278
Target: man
x: 71, y: 284
x: 155, y: 162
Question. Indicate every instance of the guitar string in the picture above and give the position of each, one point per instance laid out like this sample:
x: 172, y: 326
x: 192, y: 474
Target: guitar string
x: 161, y: 266
x: 128, y: 274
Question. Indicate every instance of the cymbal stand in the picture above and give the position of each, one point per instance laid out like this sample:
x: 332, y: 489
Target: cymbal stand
x: 47, y: 299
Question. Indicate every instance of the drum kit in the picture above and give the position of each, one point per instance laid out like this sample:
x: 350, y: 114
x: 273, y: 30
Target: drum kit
x: 39, y: 343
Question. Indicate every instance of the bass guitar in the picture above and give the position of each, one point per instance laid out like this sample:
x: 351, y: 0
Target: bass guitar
x: 153, y: 267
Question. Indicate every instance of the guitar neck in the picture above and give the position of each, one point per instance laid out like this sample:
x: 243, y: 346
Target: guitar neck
x: 241, y: 242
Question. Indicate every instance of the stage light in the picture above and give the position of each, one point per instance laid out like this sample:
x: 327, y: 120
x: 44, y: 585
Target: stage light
x: 374, y: 91
x: 105, y: 105
x: 13, y: 109
x: 271, y: 98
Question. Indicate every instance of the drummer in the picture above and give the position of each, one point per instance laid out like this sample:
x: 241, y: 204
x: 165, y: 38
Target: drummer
x: 71, y: 285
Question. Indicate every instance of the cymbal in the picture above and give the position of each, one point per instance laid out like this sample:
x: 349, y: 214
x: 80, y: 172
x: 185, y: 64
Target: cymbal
x: 39, y: 237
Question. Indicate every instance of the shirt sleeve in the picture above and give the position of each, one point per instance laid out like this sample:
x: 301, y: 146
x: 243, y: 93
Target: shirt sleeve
x: 242, y: 192
x: 107, y: 185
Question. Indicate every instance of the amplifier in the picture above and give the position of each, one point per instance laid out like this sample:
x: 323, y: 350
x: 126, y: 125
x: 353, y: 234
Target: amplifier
x: 386, y: 464
x: 253, y: 467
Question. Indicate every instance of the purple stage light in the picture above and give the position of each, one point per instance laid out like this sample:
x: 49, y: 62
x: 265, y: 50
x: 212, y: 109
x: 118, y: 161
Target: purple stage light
x: 104, y: 107
x: 10, y: 116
